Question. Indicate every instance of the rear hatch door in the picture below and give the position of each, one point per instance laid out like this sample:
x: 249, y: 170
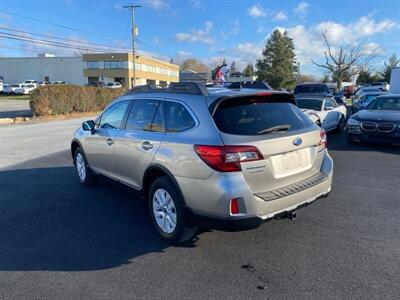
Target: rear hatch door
x: 284, y: 135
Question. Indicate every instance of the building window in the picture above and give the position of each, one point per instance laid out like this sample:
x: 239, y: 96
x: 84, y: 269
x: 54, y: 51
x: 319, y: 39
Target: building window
x: 93, y: 80
x: 114, y: 64
x: 172, y: 73
x: 92, y: 64
x: 149, y: 81
x: 151, y: 69
x: 138, y: 66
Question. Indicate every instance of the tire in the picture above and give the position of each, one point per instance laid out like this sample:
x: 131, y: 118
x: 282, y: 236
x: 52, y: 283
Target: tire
x: 166, y: 206
x: 85, y: 174
x: 341, y: 125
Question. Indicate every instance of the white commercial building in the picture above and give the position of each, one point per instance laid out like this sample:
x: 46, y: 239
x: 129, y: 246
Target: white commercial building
x: 44, y: 67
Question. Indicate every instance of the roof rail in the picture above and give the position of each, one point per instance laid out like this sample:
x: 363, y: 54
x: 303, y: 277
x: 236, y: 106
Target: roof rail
x: 193, y: 88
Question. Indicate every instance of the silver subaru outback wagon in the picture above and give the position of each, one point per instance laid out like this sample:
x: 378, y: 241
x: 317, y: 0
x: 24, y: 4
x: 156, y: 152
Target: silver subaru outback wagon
x: 207, y: 156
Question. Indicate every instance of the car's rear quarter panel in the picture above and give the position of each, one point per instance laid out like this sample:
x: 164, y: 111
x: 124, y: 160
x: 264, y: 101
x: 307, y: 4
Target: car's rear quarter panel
x: 176, y: 152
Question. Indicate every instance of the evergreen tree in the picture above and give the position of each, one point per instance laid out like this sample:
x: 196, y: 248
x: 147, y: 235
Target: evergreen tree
x: 233, y: 69
x: 387, y: 68
x: 249, y: 70
x: 326, y: 79
x: 278, y: 64
x: 364, y: 77
x: 376, y: 77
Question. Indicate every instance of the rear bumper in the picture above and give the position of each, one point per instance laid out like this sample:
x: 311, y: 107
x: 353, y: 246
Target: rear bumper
x: 208, y: 200
x: 239, y: 224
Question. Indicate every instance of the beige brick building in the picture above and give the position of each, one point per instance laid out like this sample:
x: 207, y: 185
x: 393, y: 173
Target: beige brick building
x: 118, y: 67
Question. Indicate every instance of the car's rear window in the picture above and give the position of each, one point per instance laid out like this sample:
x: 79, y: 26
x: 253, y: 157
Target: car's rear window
x: 257, y: 115
x: 311, y: 89
x: 314, y: 104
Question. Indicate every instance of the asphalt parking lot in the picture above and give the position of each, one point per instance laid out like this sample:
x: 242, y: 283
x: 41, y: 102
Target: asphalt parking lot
x: 61, y: 240
x: 11, y: 108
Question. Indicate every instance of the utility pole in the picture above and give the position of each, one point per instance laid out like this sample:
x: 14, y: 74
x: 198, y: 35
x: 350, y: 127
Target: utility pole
x: 134, y: 33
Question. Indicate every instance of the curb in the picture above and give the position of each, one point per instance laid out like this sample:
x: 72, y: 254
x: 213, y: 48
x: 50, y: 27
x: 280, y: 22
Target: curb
x: 4, y: 121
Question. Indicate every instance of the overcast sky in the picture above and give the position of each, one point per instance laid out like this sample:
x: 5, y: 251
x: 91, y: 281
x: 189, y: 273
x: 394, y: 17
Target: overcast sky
x: 205, y: 29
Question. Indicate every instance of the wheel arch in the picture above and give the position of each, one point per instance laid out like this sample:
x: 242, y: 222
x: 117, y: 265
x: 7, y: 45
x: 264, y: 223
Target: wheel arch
x: 156, y: 171
x: 74, y: 145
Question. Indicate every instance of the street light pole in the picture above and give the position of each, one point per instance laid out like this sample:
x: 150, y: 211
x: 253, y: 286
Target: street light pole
x: 132, y: 9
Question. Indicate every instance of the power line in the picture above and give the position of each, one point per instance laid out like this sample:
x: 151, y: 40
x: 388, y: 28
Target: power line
x: 78, y: 30
x: 62, y: 39
x: 5, y: 35
x: 48, y: 43
x: 151, y: 47
x: 58, y: 25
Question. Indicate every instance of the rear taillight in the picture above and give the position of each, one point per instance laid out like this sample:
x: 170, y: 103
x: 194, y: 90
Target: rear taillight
x: 323, y: 140
x: 227, y: 158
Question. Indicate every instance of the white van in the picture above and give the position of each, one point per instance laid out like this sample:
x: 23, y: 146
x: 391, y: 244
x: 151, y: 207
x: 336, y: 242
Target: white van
x: 395, y: 81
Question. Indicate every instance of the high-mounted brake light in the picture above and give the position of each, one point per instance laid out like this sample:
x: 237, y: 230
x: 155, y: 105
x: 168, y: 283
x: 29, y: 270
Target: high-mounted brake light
x: 323, y: 140
x: 227, y: 158
x: 264, y: 94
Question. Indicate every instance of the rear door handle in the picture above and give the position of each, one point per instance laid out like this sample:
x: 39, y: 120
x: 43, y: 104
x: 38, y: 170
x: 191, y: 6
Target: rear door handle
x: 147, y: 146
x: 110, y: 142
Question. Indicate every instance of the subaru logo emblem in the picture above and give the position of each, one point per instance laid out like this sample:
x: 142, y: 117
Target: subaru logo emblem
x: 297, y: 141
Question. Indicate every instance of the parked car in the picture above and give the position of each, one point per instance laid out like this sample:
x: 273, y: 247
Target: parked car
x: 340, y: 98
x: 25, y: 89
x: 243, y: 158
x: 10, y: 89
x: 58, y: 82
x: 44, y: 83
x: 30, y: 81
x: 113, y: 85
x: 365, y: 89
x: 384, y: 86
x: 5, y: 89
x: 326, y: 113
x: 312, y: 89
x: 379, y: 122
x: 363, y: 99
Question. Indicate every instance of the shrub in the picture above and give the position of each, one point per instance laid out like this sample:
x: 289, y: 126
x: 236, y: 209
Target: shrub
x: 63, y: 99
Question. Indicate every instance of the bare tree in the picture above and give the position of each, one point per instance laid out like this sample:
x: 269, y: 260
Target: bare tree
x: 343, y: 61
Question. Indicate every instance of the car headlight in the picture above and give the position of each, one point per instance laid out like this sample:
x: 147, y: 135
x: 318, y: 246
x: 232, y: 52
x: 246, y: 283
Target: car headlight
x: 353, y: 122
x: 353, y: 126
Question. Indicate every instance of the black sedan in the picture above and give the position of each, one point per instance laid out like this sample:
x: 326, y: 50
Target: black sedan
x: 379, y: 122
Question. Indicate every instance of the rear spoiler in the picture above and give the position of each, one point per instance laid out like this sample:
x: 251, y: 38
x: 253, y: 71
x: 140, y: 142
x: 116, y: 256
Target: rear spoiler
x: 260, y: 97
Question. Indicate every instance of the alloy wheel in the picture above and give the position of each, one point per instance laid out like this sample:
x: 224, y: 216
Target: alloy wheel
x: 80, y: 166
x: 164, y: 211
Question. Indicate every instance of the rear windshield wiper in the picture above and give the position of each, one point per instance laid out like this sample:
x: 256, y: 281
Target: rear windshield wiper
x: 274, y: 129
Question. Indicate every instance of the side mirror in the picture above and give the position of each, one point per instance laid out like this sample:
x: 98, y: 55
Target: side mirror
x: 88, y: 126
x: 329, y: 108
